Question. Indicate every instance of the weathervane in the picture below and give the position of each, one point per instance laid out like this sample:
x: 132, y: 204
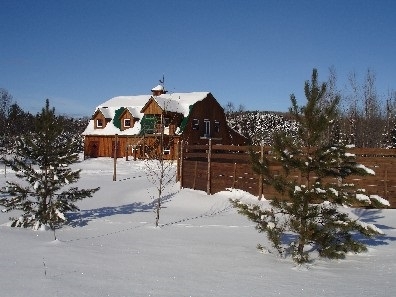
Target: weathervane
x: 162, y: 82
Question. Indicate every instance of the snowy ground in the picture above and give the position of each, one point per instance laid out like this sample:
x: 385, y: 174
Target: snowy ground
x: 204, y: 248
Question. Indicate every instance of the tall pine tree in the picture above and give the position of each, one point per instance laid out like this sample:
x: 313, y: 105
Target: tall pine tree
x: 42, y: 160
x: 312, y: 218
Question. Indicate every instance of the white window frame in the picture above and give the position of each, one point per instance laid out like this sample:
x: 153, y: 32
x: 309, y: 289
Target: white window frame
x: 130, y: 123
x: 207, y: 128
x: 167, y: 151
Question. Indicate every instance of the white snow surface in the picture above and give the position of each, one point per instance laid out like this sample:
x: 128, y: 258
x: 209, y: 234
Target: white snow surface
x: 203, y: 247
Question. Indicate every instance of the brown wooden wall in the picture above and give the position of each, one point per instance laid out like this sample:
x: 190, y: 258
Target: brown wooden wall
x: 152, y: 107
x: 230, y: 168
x: 138, y: 147
x: 211, y: 110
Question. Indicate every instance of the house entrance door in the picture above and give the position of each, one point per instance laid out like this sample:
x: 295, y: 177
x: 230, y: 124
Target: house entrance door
x: 93, y: 149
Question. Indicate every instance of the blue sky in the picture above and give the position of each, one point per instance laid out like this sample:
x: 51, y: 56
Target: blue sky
x: 256, y: 53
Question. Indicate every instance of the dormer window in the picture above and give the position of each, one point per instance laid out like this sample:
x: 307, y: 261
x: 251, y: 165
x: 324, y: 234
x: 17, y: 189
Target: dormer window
x: 99, y: 123
x: 127, y: 123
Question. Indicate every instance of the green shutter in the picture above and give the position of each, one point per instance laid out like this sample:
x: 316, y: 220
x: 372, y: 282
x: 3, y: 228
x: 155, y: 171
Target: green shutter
x: 185, y: 120
x: 147, y: 124
x: 116, y: 119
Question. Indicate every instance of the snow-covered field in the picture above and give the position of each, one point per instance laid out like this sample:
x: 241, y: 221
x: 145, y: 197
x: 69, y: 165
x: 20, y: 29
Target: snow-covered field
x: 203, y: 248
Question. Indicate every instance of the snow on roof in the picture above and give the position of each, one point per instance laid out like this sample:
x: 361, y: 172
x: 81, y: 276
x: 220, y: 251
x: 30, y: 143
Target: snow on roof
x: 110, y: 129
x: 126, y: 101
x: 158, y: 88
x: 175, y: 102
x: 107, y: 113
x: 179, y: 102
x: 135, y: 112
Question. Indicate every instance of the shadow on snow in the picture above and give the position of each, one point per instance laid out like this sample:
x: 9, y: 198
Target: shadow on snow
x: 83, y: 217
x: 371, y: 216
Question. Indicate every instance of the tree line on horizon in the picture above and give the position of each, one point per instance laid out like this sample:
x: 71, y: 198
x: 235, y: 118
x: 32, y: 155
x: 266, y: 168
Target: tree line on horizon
x: 15, y: 122
x: 364, y: 117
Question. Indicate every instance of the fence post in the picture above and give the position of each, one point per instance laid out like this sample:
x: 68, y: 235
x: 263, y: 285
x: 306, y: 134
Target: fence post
x: 126, y: 148
x: 261, y: 190
x: 386, y: 182
x: 208, y: 187
x: 177, y: 155
x: 195, y: 174
x: 234, y: 177
x: 115, y: 158
x: 180, y: 169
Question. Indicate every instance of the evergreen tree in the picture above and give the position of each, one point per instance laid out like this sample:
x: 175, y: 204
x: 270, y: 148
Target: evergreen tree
x: 42, y: 160
x: 312, y: 218
x: 19, y: 123
x: 5, y: 102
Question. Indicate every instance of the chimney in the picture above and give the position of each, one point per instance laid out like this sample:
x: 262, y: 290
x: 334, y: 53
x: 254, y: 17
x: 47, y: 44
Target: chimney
x: 158, y: 90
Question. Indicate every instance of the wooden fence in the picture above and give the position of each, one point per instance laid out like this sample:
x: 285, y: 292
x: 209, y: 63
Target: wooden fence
x: 214, y: 168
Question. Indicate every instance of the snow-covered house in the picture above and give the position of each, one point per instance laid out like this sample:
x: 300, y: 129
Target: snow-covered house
x: 133, y: 124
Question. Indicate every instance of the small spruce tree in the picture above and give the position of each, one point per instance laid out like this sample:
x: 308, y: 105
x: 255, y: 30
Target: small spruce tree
x: 312, y: 218
x: 42, y: 160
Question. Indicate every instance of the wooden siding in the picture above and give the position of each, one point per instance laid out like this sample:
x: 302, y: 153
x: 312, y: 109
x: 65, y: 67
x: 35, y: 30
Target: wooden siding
x: 102, y: 145
x: 230, y: 167
x: 152, y: 107
x: 132, y: 147
x: 209, y: 109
